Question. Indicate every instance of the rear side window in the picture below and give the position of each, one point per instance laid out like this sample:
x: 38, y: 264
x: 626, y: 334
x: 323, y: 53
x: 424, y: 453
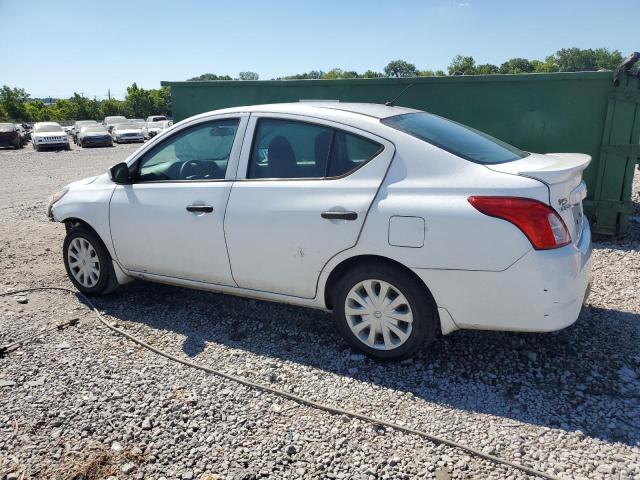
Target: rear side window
x: 293, y: 149
x: 349, y: 152
x: 463, y: 141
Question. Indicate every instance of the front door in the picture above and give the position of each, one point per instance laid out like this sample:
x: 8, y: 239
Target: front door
x: 170, y: 220
x: 303, y: 191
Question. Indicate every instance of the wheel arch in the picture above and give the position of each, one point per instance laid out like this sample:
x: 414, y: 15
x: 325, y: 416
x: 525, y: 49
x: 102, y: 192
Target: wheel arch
x: 339, y: 270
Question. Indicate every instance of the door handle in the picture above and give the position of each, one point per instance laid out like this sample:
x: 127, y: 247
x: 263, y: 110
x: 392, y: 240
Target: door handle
x: 335, y: 215
x: 200, y: 208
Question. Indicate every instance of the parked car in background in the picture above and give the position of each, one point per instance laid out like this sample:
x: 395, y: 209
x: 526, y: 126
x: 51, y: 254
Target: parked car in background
x: 156, y: 118
x: 405, y: 224
x: 49, y: 135
x: 68, y: 129
x: 78, y: 126
x: 109, y: 122
x: 10, y: 136
x: 126, y: 133
x: 151, y: 129
x: 94, y: 136
x: 24, y: 135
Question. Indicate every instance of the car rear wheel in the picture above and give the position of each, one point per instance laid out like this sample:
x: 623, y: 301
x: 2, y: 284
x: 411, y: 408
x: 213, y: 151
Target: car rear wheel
x: 384, y: 312
x: 88, y: 262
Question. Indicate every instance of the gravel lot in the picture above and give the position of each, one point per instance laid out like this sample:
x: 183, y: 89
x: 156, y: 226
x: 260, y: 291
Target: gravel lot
x: 84, y: 401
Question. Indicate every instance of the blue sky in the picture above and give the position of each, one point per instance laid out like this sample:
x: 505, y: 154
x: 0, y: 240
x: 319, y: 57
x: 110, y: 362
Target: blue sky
x: 53, y: 48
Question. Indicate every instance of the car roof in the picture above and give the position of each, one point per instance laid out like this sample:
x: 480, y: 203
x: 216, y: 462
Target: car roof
x: 320, y: 107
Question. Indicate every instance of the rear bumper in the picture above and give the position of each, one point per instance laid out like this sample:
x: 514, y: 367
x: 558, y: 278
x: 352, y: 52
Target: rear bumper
x: 541, y: 292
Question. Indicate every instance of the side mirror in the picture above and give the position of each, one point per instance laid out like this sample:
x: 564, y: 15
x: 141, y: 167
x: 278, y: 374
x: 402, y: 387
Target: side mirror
x: 120, y: 174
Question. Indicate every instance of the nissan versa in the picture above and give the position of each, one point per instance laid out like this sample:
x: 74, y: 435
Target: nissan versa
x: 406, y: 225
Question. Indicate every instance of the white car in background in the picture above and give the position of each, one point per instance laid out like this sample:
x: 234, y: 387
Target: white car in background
x: 110, y: 122
x: 156, y: 118
x: 94, y: 136
x: 127, y: 132
x: 49, y: 135
x: 151, y: 129
x: 78, y: 126
x: 404, y: 224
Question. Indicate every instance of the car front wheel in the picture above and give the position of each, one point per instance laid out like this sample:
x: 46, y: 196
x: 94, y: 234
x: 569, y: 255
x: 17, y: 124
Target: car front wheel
x: 384, y: 312
x: 88, y: 262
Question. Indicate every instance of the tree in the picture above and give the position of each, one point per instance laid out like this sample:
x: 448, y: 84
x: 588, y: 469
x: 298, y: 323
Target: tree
x: 248, y: 76
x: 461, y: 65
x: 400, y: 68
x: 486, y: 69
x: 312, y: 75
x: 36, y: 111
x: 111, y: 107
x: 209, y: 76
x: 371, y: 74
x: 516, y: 65
x: 338, y: 73
x: 583, y: 60
x: 543, y: 67
x: 12, y: 103
x: 161, y: 99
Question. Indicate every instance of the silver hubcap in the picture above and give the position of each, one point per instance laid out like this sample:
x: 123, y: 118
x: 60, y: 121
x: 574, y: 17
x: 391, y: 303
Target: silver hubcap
x: 378, y: 314
x: 83, y: 262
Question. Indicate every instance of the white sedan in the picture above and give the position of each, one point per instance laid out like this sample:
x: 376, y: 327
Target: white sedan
x: 404, y: 224
x: 127, y: 132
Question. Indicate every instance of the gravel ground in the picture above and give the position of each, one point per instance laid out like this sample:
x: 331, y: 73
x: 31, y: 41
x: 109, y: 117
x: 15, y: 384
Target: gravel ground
x: 84, y: 401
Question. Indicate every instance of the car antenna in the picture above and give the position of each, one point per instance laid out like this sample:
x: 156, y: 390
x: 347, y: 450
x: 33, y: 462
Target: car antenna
x: 391, y: 103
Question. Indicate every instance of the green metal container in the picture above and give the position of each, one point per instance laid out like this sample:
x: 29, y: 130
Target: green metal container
x: 557, y: 112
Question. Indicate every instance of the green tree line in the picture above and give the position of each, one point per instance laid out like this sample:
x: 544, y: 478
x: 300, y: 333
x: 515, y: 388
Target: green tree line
x: 17, y: 105
x: 564, y: 60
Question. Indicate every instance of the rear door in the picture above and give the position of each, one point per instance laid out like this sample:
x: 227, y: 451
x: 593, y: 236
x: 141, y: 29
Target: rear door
x: 303, y: 191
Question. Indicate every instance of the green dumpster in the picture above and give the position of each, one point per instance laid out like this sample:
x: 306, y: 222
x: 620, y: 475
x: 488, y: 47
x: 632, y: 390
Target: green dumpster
x: 588, y: 112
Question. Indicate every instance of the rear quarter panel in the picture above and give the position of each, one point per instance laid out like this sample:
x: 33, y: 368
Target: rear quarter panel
x: 426, y: 182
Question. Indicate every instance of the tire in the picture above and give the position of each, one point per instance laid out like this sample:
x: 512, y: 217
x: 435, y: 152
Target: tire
x: 83, y: 244
x: 36, y: 148
x: 67, y: 147
x: 415, y: 302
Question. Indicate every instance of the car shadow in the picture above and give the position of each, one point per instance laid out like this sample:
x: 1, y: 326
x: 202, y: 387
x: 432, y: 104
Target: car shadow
x: 563, y: 380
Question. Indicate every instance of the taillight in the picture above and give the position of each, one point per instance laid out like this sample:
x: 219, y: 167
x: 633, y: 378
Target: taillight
x: 539, y: 222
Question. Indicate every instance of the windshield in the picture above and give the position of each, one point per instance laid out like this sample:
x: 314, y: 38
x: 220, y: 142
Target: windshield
x: 48, y: 128
x: 126, y: 126
x: 94, y: 128
x: 6, y: 127
x: 463, y: 141
x: 113, y: 120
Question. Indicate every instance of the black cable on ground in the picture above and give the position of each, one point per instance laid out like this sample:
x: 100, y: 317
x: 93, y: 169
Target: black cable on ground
x: 289, y: 396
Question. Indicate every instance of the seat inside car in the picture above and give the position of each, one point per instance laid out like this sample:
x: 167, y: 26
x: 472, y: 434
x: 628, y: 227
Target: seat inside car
x: 282, y: 159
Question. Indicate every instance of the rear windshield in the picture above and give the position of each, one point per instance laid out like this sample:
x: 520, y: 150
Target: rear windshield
x: 463, y: 141
x: 7, y: 127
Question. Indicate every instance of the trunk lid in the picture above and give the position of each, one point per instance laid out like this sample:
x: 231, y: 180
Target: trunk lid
x: 562, y: 173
